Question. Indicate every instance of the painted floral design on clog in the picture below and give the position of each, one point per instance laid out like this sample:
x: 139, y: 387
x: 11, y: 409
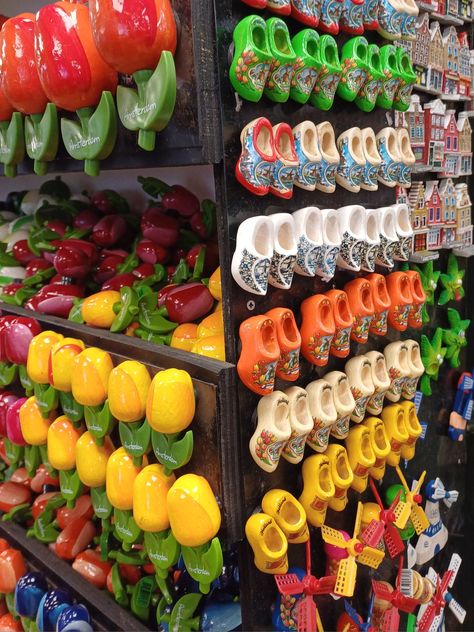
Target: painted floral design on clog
x: 351, y: 17
x: 330, y: 15
x: 289, y: 363
x: 360, y: 404
x: 308, y: 255
x: 353, y: 76
x: 282, y: 269
x: 403, y: 96
x: 369, y: 14
x: 304, y: 78
x: 378, y: 325
x: 325, y: 88
x: 409, y: 387
x: 308, y: 172
x: 371, y: 88
x: 340, y: 430
x: 283, y: 177
x: 254, y: 271
x: 348, y: 169
x: 250, y: 70
x: 280, y: 77
x: 319, y: 348
x: 385, y: 251
x: 369, y: 175
x: 318, y: 438
x: 389, y: 19
x: 389, y: 170
x: 403, y: 247
x: 294, y: 447
x: 416, y: 315
x: 256, y: 170
x: 328, y: 173
x: 341, y: 341
x: 376, y: 401
x: 268, y: 449
x: 350, y: 250
x: 326, y: 267
x: 389, y: 86
x: 263, y: 375
x: 360, y: 329
x: 280, y: 6
x: 367, y: 256
x: 400, y: 315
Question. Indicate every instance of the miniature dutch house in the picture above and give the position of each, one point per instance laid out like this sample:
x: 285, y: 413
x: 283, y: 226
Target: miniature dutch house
x: 420, y: 49
x: 464, y: 65
x: 465, y: 9
x: 465, y: 144
x: 435, y: 215
x: 464, y: 219
x: 451, y: 61
x: 419, y: 216
x: 433, y: 151
x: 452, y: 8
x: 447, y: 194
x: 451, y: 165
x: 415, y: 117
x: 434, y: 76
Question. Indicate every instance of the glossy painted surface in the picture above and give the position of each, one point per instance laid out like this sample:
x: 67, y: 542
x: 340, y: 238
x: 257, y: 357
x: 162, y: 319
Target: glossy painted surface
x: 37, y: 364
x: 91, y: 460
x: 61, y: 361
x: 150, y: 490
x: 34, y: 426
x: 128, y: 389
x: 120, y: 476
x: 90, y: 376
x: 171, y: 404
x: 62, y: 439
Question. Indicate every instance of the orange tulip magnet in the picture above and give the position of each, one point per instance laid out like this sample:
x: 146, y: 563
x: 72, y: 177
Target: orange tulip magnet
x: 399, y: 289
x: 362, y: 307
x: 289, y: 341
x: 317, y: 329
x: 382, y: 303
x: 259, y: 355
x: 343, y: 319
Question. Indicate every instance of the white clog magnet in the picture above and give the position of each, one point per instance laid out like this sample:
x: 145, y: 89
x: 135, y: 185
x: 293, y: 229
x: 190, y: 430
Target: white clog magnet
x: 331, y: 244
x: 309, y: 237
x: 343, y: 401
x: 416, y: 368
x: 396, y: 357
x: 381, y: 380
x: 352, y: 164
x: 359, y: 373
x: 373, y: 160
x: 272, y: 432
x: 353, y: 230
x: 329, y: 158
x: 284, y: 251
x: 371, y: 243
x: 253, y: 254
x: 404, y: 232
x: 301, y: 423
x: 323, y: 411
x: 388, y: 236
x: 309, y: 156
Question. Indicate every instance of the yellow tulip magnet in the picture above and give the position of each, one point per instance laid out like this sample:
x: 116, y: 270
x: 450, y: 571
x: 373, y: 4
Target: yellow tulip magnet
x: 34, y: 428
x: 62, y: 439
x: 37, y: 367
x: 61, y: 361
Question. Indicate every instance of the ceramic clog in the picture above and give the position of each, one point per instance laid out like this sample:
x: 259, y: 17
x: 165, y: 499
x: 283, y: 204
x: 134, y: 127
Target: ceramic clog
x: 380, y: 445
x: 408, y: 78
x: 370, y: 15
x: 359, y: 374
x: 286, y: 163
x: 329, y: 75
x: 326, y: 267
x: 373, y: 161
x: 323, y: 411
x: 306, y: 46
x: 396, y: 357
x: 306, y: 11
x: 389, y: 16
x: 284, y: 251
x: 352, y: 163
x: 309, y: 237
x: 252, y: 59
x: 388, y: 236
x: 404, y: 231
x: 272, y: 432
x: 343, y: 401
x: 280, y: 7
x: 330, y: 15
x: 414, y: 430
x: 370, y: 247
x: 259, y: 355
x: 255, y: 167
x: 253, y: 254
x: 318, y: 488
x: 341, y: 474
x: 393, y: 417
x: 362, y: 307
x: 354, y: 64
x: 361, y: 456
x: 282, y: 69
x: 418, y: 299
x: 289, y: 341
x: 369, y: 91
x: 301, y: 423
x: 382, y: 303
x: 353, y: 229
x: 387, y: 146
x: 309, y: 157
x: 401, y: 300
x: 268, y: 543
x: 351, y: 20
x: 392, y: 79
x: 407, y: 156
x: 329, y: 158
x: 343, y: 319
x: 288, y: 513
x: 381, y: 380
x: 416, y: 368
x: 408, y: 23
x: 317, y: 329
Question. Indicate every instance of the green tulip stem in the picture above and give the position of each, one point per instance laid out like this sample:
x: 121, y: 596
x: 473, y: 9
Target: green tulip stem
x: 72, y: 409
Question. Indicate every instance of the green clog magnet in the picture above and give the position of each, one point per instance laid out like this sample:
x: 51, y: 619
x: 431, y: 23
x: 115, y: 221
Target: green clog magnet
x: 354, y: 67
x: 306, y: 46
x: 12, y: 144
x: 392, y: 79
x: 329, y: 75
x: 407, y: 75
x: 282, y: 68
x: 252, y: 58
x: 42, y: 138
x: 367, y: 96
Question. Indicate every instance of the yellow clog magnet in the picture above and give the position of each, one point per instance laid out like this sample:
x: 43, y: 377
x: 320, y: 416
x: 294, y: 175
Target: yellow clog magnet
x: 361, y: 456
x: 170, y: 404
x: 413, y: 428
x: 380, y: 445
x: 341, y: 473
x: 393, y: 417
x: 288, y: 513
x: 37, y: 365
x: 150, y: 490
x: 318, y: 488
x: 128, y: 390
x: 268, y: 543
x: 91, y: 460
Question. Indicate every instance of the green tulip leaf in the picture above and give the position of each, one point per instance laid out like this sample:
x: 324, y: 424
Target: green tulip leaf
x: 32, y: 459
x: 136, y: 439
x: 42, y: 138
x: 46, y: 398
x: 72, y: 409
x: 125, y: 528
x: 99, y: 421
x: 182, y: 619
x: 8, y: 373
x: 204, y: 563
x: 25, y: 380
x: 20, y: 513
x: 120, y: 594
x: 100, y: 502
x: 163, y: 550
x: 12, y: 144
x: 171, y: 451
x: 14, y: 453
x: 70, y: 485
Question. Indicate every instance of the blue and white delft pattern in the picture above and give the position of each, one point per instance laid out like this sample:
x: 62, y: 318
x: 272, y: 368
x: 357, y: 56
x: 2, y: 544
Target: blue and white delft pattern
x: 369, y: 12
x: 255, y: 169
x: 340, y: 430
x: 307, y: 256
x: 405, y: 175
x: 328, y: 174
x: 307, y: 174
x: 254, y: 271
x: 385, y: 251
x: 282, y: 268
x: 350, y: 251
x: 351, y: 15
x: 408, y: 26
x: 294, y: 447
x: 360, y: 406
x: 367, y: 256
x: 331, y: 13
x: 283, y: 177
x: 389, y: 18
x: 318, y: 439
x: 348, y: 169
x: 369, y: 175
x: 304, y: 79
x: 389, y: 170
x: 326, y: 267
x: 402, y: 248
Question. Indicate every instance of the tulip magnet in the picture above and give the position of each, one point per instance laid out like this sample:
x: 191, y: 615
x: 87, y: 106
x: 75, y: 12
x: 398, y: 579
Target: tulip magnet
x: 37, y: 367
x: 62, y: 439
x: 12, y: 144
x: 34, y: 428
x: 61, y: 362
x: 170, y: 409
x: 16, y: 334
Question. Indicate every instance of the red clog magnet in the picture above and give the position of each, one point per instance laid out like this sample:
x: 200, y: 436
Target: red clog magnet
x: 399, y: 289
x: 289, y: 341
x: 418, y: 299
x: 343, y: 319
x: 359, y: 293
x: 317, y: 329
x: 259, y: 355
x: 382, y: 303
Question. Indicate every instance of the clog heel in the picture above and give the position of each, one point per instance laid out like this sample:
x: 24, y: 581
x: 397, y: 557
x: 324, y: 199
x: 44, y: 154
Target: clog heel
x: 369, y: 15
x: 367, y: 96
x: 289, y: 341
x: 401, y: 299
x: 309, y: 237
x: 329, y: 75
x: 361, y: 456
x: 268, y: 542
x: 309, y: 157
x: 343, y: 401
x: 306, y: 46
x: 381, y: 380
x: 272, y: 432
x: 284, y: 251
x: 329, y: 158
x: 382, y: 302
x: 362, y: 307
x: 259, y: 355
x: 407, y: 155
x: 343, y: 319
x: 387, y: 146
x: 354, y: 66
x: 306, y: 11
x: 393, y: 417
x: 388, y: 237
x: 401, y: 101
x: 288, y: 513
x: 380, y: 445
x: 331, y: 244
x: 415, y: 318
x: 341, y: 474
x: 396, y: 357
x: 253, y: 254
x: 301, y: 423
x: 408, y: 23
x: 416, y: 369
x: 330, y: 15
x: 254, y: 169
x: 389, y: 17
x: 318, y: 488
x: 351, y: 20
x: 373, y: 160
x: 392, y: 79
x: 404, y: 231
x: 352, y: 164
x: 286, y: 162
x: 359, y: 373
x: 280, y: 7
x: 414, y: 429
x: 252, y: 59
x: 371, y: 244
x: 317, y: 329
x: 282, y: 69
x: 323, y: 411
x: 353, y: 229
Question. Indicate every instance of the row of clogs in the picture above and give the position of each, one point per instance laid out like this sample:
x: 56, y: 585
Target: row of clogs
x: 288, y: 420
x: 307, y: 68
x: 275, y: 159
x: 311, y: 241
x: 393, y: 19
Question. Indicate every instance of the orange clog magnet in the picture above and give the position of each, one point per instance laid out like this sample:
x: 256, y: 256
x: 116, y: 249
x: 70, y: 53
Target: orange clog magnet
x: 362, y: 307
x: 260, y: 354
x: 289, y: 341
x: 399, y: 289
x: 343, y: 319
x: 418, y: 299
x: 382, y: 303
x: 317, y: 329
